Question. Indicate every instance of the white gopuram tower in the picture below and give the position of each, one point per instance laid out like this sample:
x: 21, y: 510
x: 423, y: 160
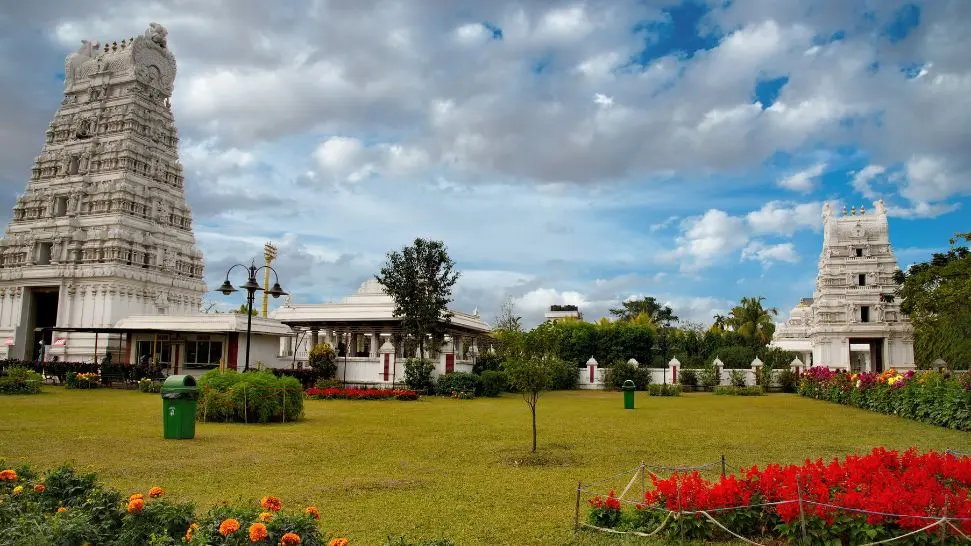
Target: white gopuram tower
x: 853, y: 321
x: 103, y: 230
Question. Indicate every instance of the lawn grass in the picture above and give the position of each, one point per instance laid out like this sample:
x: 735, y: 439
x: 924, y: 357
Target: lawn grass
x: 438, y: 467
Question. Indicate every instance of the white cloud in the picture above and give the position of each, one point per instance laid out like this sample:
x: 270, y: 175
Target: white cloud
x: 780, y: 218
x: 861, y: 180
x: 803, y: 181
x: 922, y: 209
x: 709, y: 237
x: 931, y: 178
x: 767, y: 254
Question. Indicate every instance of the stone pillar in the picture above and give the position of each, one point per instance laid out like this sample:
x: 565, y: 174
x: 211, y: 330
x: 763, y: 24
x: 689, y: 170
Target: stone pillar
x: 314, y: 337
x: 389, y: 368
x: 375, y: 344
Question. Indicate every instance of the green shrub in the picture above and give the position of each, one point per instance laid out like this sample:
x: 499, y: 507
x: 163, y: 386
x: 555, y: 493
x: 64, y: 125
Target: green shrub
x: 458, y: 382
x: 733, y: 390
x: 788, y: 380
x: 565, y: 375
x: 147, y: 385
x: 323, y: 360
x: 737, y: 378
x: 688, y: 377
x: 251, y: 397
x: 664, y: 389
x: 418, y: 375
x: 764, y: 376
x: 328, y: 384
x: 493, y: 382
x: 486, y: 362
x: 710, y: 376
x: 736, y: 357
x: 622, y: 371
x: 20, y: 380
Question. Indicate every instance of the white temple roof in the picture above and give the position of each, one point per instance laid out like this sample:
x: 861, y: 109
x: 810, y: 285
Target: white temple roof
x: 204, y: 323
x: 369, y: 304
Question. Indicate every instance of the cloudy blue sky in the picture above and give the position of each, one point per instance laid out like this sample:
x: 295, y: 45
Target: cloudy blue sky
x: 566, y: 152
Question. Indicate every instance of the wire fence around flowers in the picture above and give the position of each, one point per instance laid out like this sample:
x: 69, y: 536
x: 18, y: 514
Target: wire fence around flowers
x: 944, y: 522
x: 270, y: 391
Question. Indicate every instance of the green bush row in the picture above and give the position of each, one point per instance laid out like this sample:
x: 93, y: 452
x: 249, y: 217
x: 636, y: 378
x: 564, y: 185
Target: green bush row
x: 253, y: 397
x: 734, y: 390
x: 19, y: 380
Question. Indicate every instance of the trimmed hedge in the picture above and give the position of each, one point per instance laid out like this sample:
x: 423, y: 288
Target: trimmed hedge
x: 664, y: 390
x: 458, y: 382
x: 733, y: 390
x: 250, y: 397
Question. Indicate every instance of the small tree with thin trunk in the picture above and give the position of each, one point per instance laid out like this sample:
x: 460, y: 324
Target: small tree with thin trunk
x: 530, y: 376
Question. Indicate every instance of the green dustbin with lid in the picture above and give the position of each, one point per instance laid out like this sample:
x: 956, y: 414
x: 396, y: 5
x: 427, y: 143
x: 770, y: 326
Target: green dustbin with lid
x: 179, y: 396
x: 628, y: 388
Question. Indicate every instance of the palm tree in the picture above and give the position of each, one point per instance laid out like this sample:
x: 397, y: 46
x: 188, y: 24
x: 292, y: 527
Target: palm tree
x: 752, y: 321
x: 720, y: 323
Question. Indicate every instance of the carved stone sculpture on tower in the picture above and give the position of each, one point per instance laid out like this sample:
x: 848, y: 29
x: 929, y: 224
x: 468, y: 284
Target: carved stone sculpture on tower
x: 88, y: 159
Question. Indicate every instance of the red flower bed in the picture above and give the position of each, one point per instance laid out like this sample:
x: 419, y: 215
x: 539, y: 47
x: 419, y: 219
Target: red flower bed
x: 860, y: 499
x: 361, y: 394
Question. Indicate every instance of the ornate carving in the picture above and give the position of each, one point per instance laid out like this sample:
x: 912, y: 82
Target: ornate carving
x: 157, y: 34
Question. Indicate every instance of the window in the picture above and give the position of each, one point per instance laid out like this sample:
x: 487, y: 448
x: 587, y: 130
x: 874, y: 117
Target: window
x: 865, y: 313
x: 859, y: 253
x: 162, y: 353
x: 60, y: 206
x: 44, y: 253
x: 203, y: 354
x: 861, y: 279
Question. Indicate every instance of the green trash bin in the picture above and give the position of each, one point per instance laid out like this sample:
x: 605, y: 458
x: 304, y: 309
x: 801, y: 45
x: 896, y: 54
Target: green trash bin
x: 628, y: 388
x: 179, y: 396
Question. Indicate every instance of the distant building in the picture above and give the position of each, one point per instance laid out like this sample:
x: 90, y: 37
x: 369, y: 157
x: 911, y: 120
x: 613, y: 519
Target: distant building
x: 852, y: 321
x: 560, y: 312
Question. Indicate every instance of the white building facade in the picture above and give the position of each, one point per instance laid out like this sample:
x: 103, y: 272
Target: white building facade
x: 103, y: 230
x: 853, y: 321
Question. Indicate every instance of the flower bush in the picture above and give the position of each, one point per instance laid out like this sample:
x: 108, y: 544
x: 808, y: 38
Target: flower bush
x: 938, y: 398
x: 732, y: 390
x: 83, y: 380
x: 360, y: 394
x: 149, y: 386
x: 253, y: 397
x: 859, y: 499
x: 20, y: 380
x: 65, y: 507
x: 604, y: 511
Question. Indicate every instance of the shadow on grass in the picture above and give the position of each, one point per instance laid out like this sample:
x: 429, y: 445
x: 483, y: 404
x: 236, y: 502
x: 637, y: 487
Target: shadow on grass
x: 548, y: 455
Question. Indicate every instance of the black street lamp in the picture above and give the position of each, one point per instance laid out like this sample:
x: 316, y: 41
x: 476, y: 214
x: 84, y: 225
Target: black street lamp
x: 251, y: 286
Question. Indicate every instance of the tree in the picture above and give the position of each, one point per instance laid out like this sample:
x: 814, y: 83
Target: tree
x: 720, y: 322
x: 752, y: 321
x: 660, y: 314
x: 530, y: 376
x: 208, y: 306
x: 242, y: 310
x: 507, y: 319
x: 419, y: 279
x: 936, y: 295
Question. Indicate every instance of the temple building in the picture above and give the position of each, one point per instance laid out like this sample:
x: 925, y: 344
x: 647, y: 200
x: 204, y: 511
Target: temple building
x: 852, y: 321
x: 368, y: 338
x: 102, y: 231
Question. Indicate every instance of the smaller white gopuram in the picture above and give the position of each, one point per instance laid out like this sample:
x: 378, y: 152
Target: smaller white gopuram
x: 853, y: 321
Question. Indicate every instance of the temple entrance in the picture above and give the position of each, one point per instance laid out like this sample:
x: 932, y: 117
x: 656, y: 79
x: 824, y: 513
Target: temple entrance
x: 42, y: 314
x: 873, y: 358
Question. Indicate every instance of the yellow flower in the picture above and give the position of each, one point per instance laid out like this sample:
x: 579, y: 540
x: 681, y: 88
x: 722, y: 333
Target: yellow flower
x: 18, y: 490
x: 266, y: 516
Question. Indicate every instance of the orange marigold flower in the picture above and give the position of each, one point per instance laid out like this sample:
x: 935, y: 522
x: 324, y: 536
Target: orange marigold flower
x: 155, y: 492
x: 312, y: 511
x: 266, y: 516
x: 135, y: 506
x: 40, y: 488
x: 338, y: 542
x: 61, y: 510
x: 136, y: 496
x: 271, y: 503
x: 188, y: 532
x: 8, y: 475
x: 290, y: 539
x: 228, y: 527
x: 258, y: 532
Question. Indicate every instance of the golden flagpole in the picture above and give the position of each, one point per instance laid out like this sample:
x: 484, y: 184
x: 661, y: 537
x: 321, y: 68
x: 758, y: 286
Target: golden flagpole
x: 269, y: 254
